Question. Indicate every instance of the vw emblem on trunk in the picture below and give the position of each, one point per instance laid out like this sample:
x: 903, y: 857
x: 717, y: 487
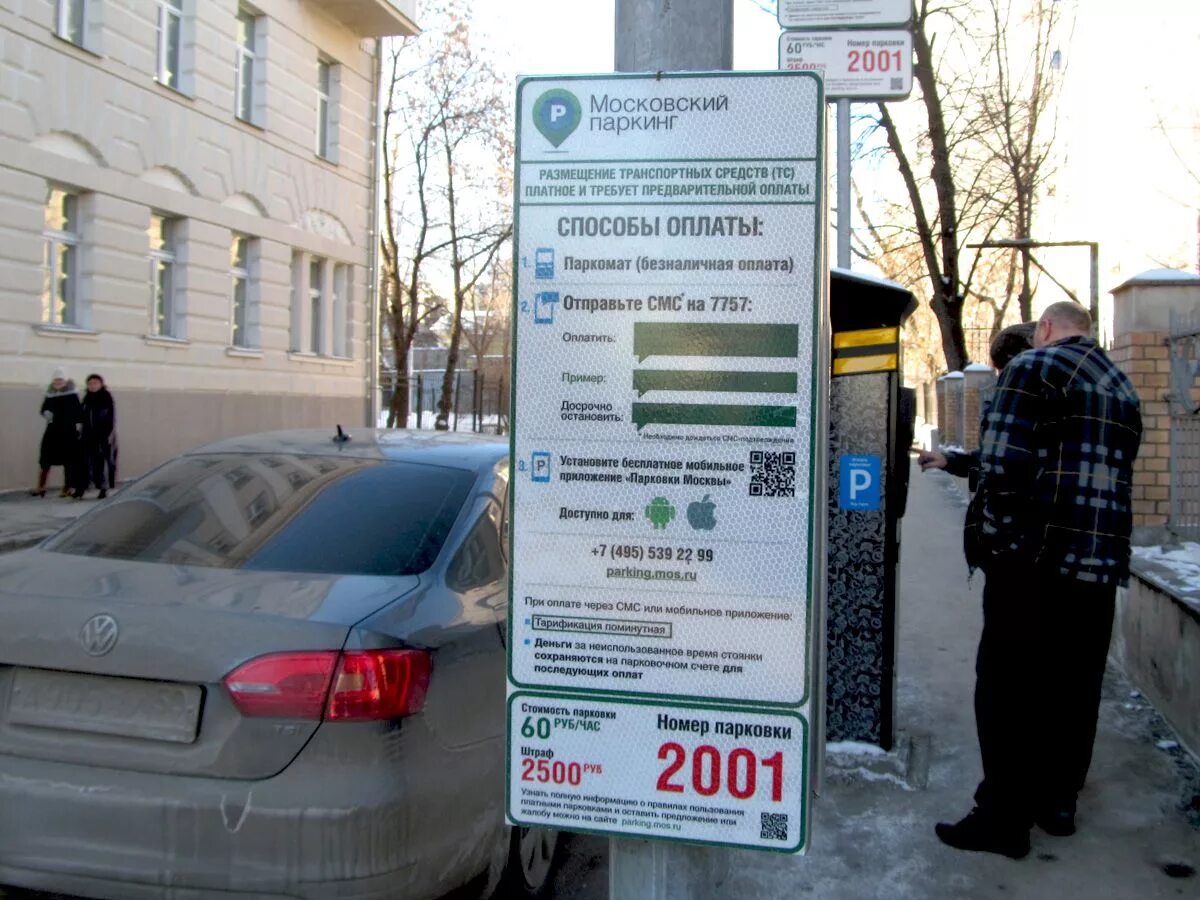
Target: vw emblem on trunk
x: 99, y: 634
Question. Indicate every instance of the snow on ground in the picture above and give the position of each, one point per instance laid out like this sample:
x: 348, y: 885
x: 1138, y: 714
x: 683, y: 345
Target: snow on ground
x: 1174, y: 567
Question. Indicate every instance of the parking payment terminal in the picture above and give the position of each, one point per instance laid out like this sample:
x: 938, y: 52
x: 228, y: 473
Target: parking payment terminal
x: 870, y: 433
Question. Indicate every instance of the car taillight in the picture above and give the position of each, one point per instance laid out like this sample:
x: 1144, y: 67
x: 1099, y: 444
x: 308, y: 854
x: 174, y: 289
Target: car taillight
x: 283, y: 685
x: 379, y: 684
x: 354, y: 685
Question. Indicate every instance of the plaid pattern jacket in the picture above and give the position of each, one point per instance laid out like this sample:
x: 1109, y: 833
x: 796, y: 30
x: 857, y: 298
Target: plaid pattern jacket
x: 1058, y: 443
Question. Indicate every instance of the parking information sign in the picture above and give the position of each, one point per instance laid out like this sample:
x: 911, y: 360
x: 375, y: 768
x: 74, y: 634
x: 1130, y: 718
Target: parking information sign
x: 843, y: 13
x: 668, y: 341
x: 855, y: 65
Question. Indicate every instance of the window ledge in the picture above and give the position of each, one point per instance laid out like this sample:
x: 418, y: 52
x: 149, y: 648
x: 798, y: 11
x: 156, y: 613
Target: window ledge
x: 86, y: 49
x: 249, y: 123
x: 72, y: 331
x: 174, y: 91
x: 162, y: 340
x: 299, y: 356
x: 244, y: 352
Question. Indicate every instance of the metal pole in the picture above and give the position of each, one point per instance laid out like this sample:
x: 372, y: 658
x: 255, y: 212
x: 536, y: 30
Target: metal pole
x: 843, y: 184
x: 653, y: 36
x: 420, y: 400
x: 1094, y: 287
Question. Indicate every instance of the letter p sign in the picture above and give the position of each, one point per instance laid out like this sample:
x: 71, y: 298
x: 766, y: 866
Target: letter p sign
x: 859, y: 482
x: 556, y: 114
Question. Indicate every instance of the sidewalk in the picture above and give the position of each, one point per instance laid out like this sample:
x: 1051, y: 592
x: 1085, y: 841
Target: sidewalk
x: 26, y: 520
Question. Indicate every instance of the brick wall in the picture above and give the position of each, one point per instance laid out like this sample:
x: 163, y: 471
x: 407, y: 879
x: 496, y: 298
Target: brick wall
x: 1143, y: 357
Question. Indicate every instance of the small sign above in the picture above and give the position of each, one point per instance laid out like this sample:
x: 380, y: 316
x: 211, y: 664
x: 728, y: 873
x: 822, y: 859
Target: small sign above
x: 843, y: 13
x: 855, y: 65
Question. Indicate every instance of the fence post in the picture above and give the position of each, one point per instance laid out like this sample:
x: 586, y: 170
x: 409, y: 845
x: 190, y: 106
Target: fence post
x: 457, y: 395
x: 477, y: 402
x: 420, y: 400
x: 500, y: 406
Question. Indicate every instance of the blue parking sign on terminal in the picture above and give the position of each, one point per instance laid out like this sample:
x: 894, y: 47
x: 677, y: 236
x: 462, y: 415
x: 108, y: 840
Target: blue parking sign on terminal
x: 859, y: 487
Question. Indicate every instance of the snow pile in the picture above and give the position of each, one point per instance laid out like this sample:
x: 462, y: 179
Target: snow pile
x: 1175, y: 567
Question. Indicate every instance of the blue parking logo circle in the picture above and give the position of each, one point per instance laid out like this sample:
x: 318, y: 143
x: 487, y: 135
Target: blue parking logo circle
x: 556, y: 115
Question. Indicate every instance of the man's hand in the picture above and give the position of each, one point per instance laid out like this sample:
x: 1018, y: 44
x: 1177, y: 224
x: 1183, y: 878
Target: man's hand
x: 931, y: 459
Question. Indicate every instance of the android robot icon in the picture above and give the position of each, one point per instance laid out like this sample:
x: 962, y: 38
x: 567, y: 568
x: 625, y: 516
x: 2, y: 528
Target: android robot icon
x: 660, y: 512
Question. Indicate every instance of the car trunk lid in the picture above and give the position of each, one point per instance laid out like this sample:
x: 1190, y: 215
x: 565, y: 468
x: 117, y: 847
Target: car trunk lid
x: 120, y: 664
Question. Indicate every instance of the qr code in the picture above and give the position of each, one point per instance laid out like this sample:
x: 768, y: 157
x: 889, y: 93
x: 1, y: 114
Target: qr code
x: 897, y: 84
x: 774, y: 827
x: 772, y: 474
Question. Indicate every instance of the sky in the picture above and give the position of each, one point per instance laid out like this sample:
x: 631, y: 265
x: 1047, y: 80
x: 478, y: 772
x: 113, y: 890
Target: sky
x: 1128, y: 67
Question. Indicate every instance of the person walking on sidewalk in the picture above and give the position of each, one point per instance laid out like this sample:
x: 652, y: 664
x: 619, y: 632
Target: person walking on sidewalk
x: 99, y: 437
x: 60, y: 440
x: 1058, y: 444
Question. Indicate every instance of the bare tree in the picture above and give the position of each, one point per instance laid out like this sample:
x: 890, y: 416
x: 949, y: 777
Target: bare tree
x: 445, y: 127
x: 984, y: 147
x: 408, y: 129
x: 1016, y: 121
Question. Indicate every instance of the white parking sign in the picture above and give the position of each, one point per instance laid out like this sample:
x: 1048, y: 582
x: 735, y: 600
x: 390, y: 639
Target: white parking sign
x: 668, y: 368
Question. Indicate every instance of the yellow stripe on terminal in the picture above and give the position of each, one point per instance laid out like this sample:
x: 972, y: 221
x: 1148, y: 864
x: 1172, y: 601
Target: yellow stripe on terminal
x: 857, y: 365
x: 866, y: 337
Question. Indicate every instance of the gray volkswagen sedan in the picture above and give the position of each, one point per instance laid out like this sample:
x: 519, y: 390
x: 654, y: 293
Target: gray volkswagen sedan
x: 273, y: 667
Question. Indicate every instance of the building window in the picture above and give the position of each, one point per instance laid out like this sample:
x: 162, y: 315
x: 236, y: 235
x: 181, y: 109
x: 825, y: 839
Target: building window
x: 327, y: 100
x: 316, y: 302
x: 72, y: 20
x: 247, y: 65
x: 239, y: 271
x: 341, y: 308
x: 61, y: 259
x: 164, y: 317
x: 170, y: 43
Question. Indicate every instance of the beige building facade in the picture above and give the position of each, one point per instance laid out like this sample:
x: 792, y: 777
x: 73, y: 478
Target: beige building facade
x: 188, y: 208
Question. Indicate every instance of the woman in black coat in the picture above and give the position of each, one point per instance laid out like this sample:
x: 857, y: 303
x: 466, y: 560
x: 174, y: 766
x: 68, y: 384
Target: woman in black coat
x: 60, y: 440
x: 99, y: 437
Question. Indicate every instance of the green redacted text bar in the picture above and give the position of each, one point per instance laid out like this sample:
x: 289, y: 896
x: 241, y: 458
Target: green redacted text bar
x: 713, y: 339
x: 713, y: 414
x: 741, y: 382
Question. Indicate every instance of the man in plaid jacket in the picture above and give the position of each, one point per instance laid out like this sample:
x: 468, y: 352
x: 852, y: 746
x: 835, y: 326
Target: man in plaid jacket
x: 1058, y: 443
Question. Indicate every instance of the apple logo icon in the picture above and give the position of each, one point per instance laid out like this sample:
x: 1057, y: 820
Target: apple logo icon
x: 700, y: 514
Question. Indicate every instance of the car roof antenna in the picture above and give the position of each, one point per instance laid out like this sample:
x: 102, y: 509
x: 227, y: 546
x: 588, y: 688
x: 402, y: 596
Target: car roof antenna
x: 341, y: 437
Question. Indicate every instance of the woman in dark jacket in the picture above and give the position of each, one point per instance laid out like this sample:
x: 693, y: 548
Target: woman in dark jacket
x: 60, y: 440
x: 99, y: 437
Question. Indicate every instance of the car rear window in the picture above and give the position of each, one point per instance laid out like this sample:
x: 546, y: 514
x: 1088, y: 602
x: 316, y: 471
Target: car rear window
x: 285, y: 513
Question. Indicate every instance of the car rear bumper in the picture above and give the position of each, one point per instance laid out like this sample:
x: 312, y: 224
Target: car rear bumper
x: 324, y: 828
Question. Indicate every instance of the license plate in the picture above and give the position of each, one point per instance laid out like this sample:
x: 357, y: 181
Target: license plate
x: 100, y: 704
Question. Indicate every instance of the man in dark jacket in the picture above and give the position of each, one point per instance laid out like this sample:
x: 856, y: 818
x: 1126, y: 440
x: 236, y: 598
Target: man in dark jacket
x: 1058, y: 444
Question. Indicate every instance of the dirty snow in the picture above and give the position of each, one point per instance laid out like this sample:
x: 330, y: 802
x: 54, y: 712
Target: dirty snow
x: 856, y: 748
x: 1163, y: 275
x: 1173, y: 567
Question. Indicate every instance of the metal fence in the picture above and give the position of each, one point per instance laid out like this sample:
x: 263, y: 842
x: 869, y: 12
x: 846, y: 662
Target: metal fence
x: 1184, y: 354
x: 479, y: 401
